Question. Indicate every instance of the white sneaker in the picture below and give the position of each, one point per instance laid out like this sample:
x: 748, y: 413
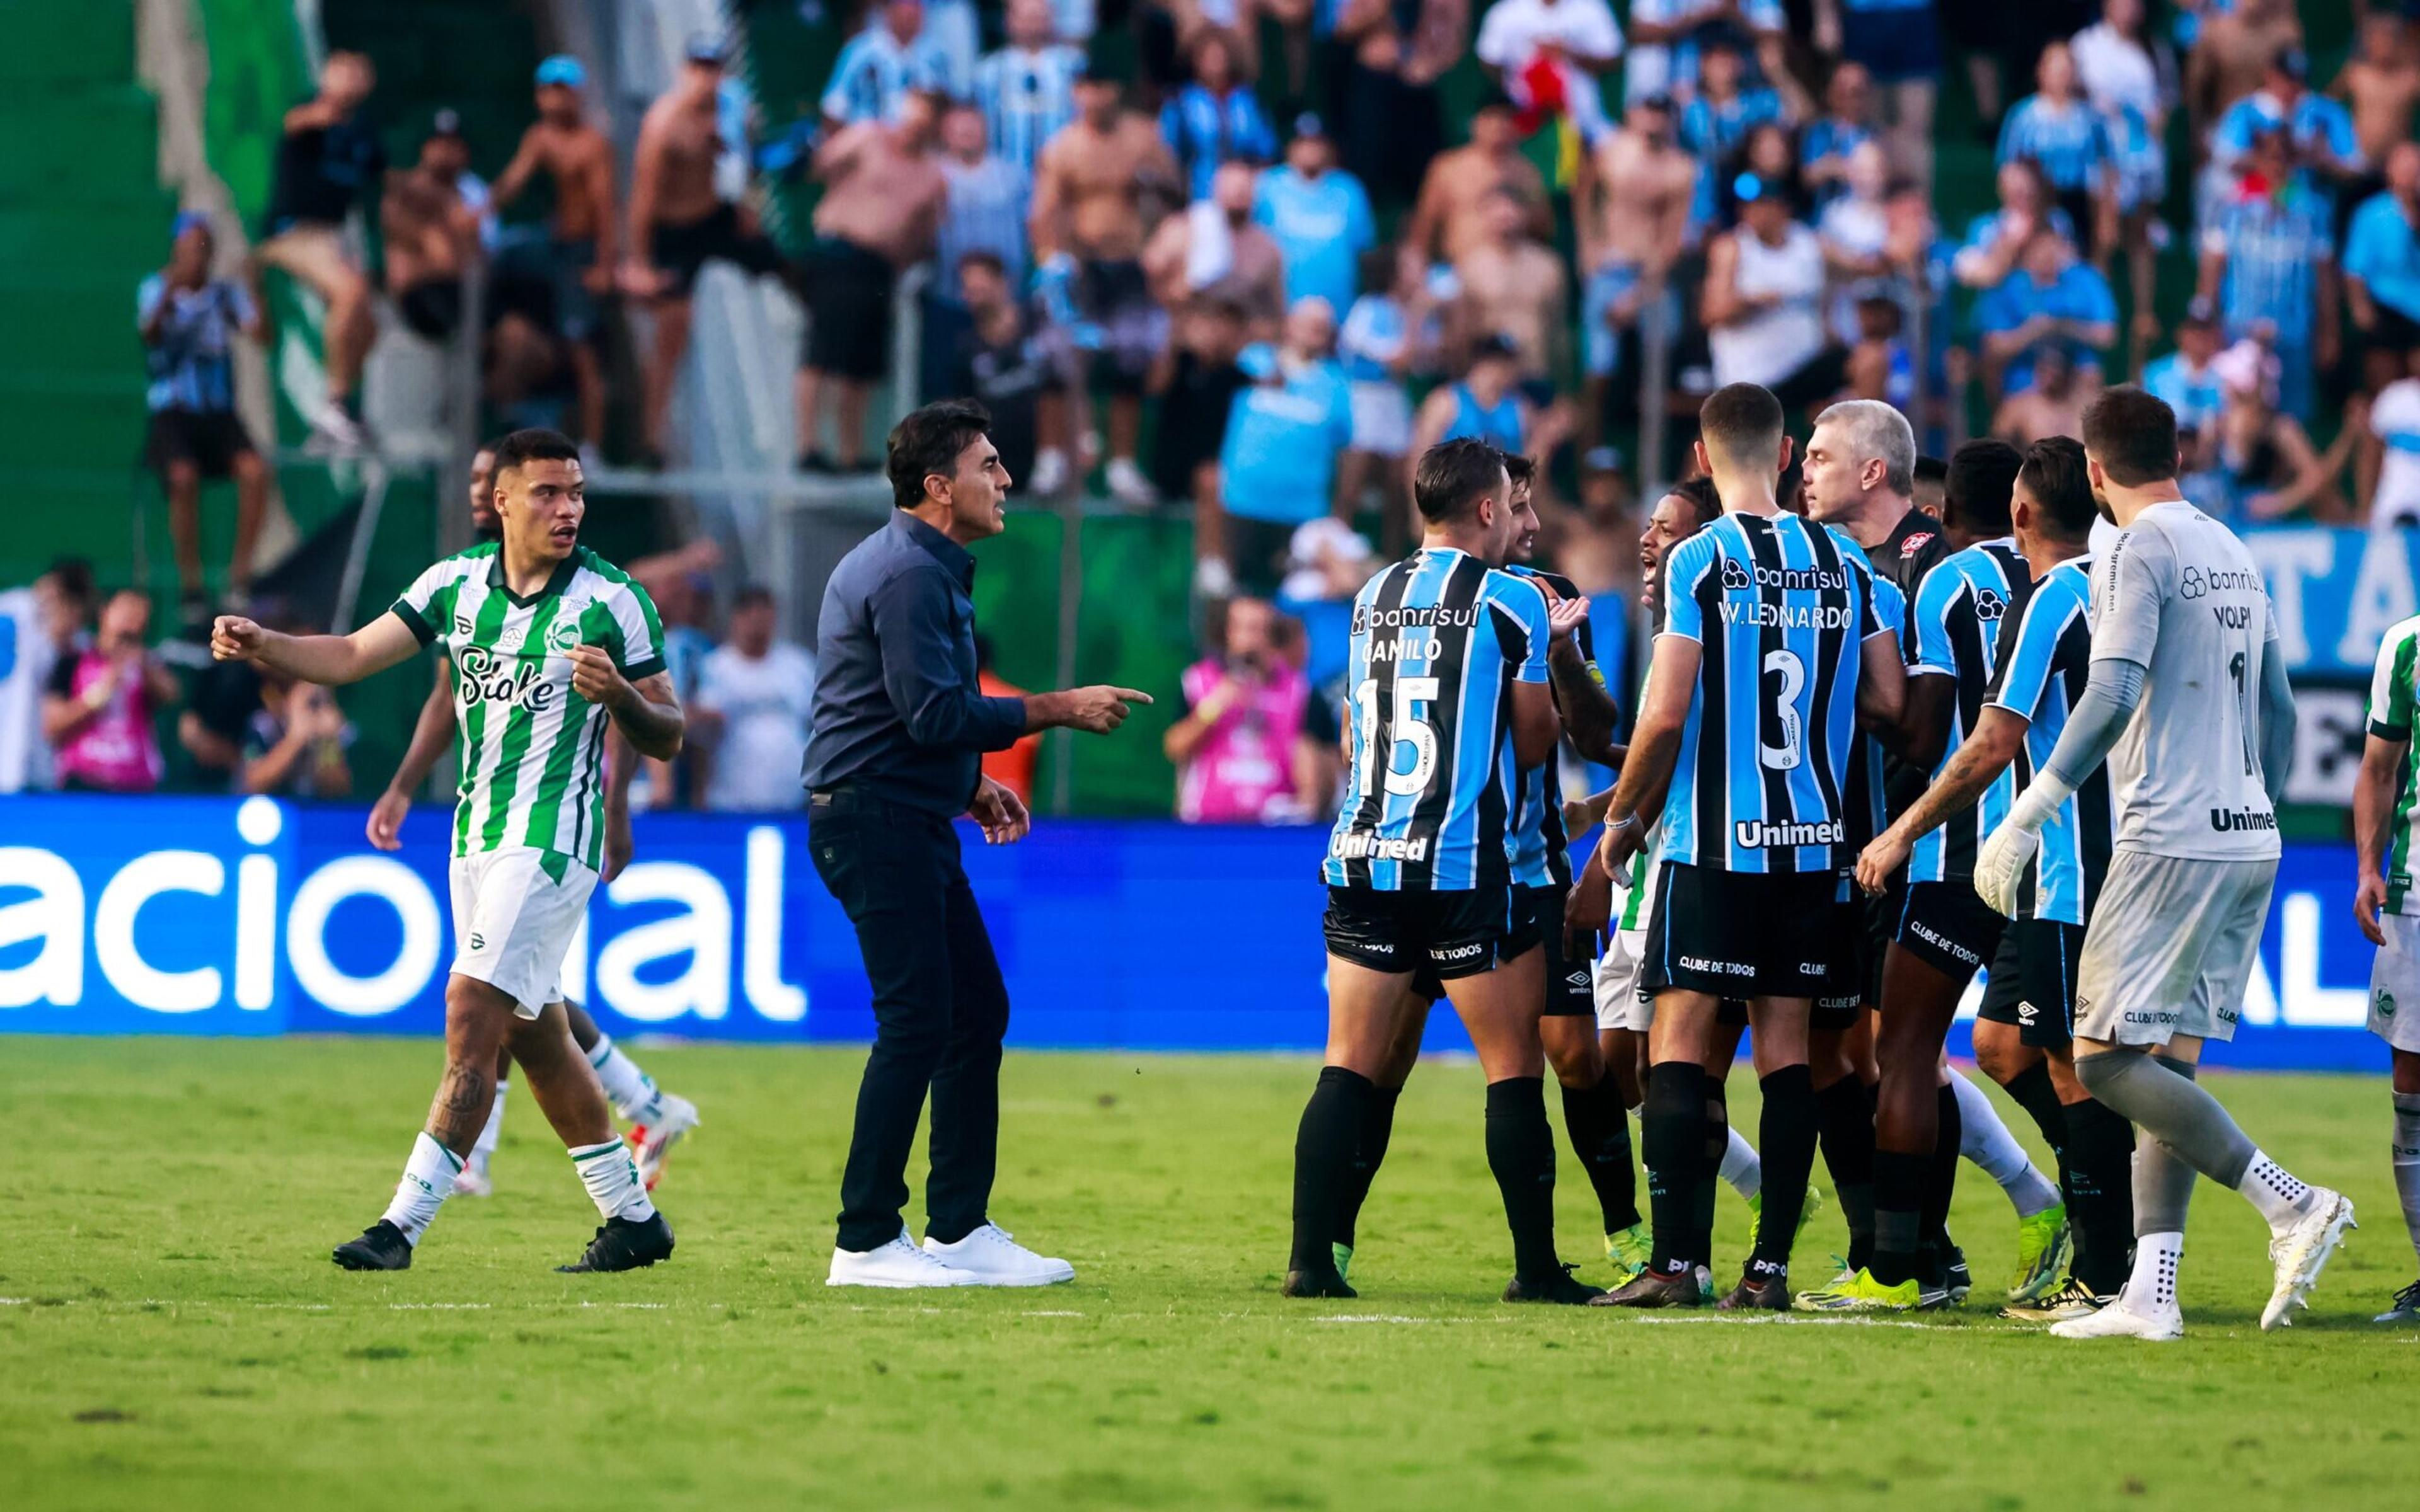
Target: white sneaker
x: 1049, y: 473
x: 2302, y: 1253
x: 2121, y: 1320
x: 898, y: 1265
x: 471, y: 1181
x: 994, y: 1258
x: 1129, y: 486
x: 652, y: 1142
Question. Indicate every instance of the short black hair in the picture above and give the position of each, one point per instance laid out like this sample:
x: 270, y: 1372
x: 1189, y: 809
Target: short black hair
x: 1518, y: 467
x: 1741, y: 419
x: 2055, y: 478
x: 74, y: 577
x: 750, y: 597
x: 1454, y: 475
x: 1931, y: 470
x: 928, y: 442
x: 1974, y: 492
x: 2133, y: 433
x: 1700, y: 496
x: 981, y: 257
x: 521, y: 447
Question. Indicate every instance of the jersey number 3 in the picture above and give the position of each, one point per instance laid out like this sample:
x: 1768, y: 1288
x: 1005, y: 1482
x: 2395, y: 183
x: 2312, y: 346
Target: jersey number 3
x: 1785, y: 754
x: 1407, y: 727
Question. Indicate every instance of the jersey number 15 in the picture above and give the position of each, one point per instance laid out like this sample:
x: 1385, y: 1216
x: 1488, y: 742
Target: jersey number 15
x: 1406, y: 728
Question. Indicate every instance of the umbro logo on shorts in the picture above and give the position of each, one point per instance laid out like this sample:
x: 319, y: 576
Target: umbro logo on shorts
x: 2028, y: 1014
x: 1580, y: 979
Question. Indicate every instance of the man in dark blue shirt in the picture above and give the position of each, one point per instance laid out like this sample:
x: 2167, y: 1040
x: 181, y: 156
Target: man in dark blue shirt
x: 893, y: 757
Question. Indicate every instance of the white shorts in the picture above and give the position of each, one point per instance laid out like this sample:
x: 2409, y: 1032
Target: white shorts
x: 1381, y: 418
x: 1620, y: 1004
x: 2395, y: 985
x: 2169, y: 948
x: 514, y: 922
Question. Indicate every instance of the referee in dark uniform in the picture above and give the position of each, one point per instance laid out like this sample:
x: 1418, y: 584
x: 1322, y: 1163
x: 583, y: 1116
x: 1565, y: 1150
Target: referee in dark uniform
x: 894, y: 758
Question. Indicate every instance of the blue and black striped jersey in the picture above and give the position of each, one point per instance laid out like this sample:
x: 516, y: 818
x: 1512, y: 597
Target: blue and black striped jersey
x: 1781, y: 610
x: 1541, y: 853
x: 1959, y: 608
x: 1862, y: 800
x: 2045, y: 659
x: 1438, y: 640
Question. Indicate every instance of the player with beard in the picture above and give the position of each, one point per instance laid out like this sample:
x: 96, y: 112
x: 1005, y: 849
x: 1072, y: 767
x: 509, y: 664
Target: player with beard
x: 659, y: 1120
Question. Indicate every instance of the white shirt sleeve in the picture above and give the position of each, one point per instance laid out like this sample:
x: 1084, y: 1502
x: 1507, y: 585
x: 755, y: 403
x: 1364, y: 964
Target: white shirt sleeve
x: 2130, y: 589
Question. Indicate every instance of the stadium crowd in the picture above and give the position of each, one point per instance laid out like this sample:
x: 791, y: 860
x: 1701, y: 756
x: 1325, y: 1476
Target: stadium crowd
x: 1252, y: 259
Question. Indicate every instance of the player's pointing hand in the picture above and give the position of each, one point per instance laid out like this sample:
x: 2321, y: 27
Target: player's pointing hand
x: 1099, y: 709
x: 233, y: 638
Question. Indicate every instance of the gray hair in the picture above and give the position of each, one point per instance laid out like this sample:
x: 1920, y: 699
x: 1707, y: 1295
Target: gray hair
x: 1874, y: 430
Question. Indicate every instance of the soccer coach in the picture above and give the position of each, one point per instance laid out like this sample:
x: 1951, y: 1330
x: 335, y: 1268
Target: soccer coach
x: 894, y: 758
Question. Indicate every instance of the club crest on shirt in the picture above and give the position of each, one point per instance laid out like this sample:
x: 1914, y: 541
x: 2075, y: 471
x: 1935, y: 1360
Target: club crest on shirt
x: 1914, y: 544
x: 1989, y: 605
x: 563, y: 634
x: 1735, y: 575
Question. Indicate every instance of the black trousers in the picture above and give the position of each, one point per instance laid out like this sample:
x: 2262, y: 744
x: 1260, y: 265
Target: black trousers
x: 939, y: 1012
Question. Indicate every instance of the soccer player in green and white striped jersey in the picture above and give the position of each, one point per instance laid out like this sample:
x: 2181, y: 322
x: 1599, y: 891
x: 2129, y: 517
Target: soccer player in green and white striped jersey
x: 549, y: 641
x: 2388, y: 906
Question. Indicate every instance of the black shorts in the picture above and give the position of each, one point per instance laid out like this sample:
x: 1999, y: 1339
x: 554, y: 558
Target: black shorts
x: 2033, y: 981
x: 1257, y: 551
x: 680, y: 250
x: 1454, y: 935
x: 210, y: 439
x: 1948, y: 927
x: 849, y: 311
x: 1865, y: 932
x: 1744, y: 934
x: 1571, y: 992
x: 432, y: 308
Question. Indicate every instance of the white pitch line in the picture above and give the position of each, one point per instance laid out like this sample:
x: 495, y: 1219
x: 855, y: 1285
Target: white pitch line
x: 1799, y: 1323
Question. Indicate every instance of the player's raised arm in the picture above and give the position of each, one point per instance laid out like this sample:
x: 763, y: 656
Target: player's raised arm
x: 330, y: 660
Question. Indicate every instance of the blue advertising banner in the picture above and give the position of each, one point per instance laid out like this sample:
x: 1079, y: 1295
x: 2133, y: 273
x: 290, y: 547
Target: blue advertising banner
x: 2337, y: 590
x: 220, y: 917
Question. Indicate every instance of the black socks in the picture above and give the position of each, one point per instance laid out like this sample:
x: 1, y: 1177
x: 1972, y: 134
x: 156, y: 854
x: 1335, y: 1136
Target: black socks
x: 2101, y: 1193
x: 1845, y: 1118
x: 1370, y: 1152
x: 1672, y: 1138
x: 1521, y: 1152
x: 1941, y: 1182
x: 1599, y: 1127
x: 1786, y: 1143
x: 1324, y: 1149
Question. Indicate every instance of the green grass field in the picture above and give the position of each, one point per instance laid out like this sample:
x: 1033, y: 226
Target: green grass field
x: 174, y: 1335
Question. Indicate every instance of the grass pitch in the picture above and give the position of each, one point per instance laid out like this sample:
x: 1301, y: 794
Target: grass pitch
x: 173, y: 1333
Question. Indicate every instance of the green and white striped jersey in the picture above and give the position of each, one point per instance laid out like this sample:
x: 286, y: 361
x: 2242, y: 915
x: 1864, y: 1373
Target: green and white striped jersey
x: 2394, y: 688
x: 533, y: 750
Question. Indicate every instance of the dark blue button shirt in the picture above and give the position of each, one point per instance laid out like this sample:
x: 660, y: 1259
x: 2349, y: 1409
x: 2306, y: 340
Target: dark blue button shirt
x: 897, y: 712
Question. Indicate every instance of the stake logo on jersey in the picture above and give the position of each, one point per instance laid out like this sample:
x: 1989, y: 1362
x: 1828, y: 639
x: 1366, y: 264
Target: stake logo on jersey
x: 1438, y: 640
x: 1781, y: 610
x: 1959, y: 608
x: 533, y: 749
x: 2045, y: 659
x: 1541, y: 853
x: 2394, y: 689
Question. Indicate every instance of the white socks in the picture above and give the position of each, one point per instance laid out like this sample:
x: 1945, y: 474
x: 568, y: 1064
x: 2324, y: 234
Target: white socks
x: 428, y: 1178
x: 631, y: 1091
x: 612, y: 1177
x: 2279, y: 1196
x: 2153, y: 1287
x: 489, y: 1135
x: 2406, y: 1153
x: 1986, y: 1141
x: 1741, y: 1167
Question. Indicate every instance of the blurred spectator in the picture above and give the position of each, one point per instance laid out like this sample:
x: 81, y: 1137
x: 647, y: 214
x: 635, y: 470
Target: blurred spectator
x: 2380, y: 81
x: 881, y: 208
x: 685, y: 603
x: 581, y: 251
x: 1725, y: 106
x: 430, y: 235
x: 40, y: 626
x: 1001, y: 362
x: 1088, y: 238
x: 1514, y: 285
x: 222, y: 699
x: 1326, y: 563
x: 98, y: 712
x: 1487, y: 403
x: 1319, y: 215
x: 1394, y: 124
x: 1215, y: 120
x: 294, y: 744
x: 2267, y: 468
x: 679, y: 221
x: 2268, y: 267
x: 1996, y: 240
x: 2232, y: 52
x: 753, y: 694
x: 2058, y: 131
x: 1027, y: 90
x: 1380, y: 346
x: 2122, y: 65
x: 1847, y: 122
x: 985, y: 209
x: 1547, y: 56
x: 1452, y: 214
x: 881, y: 66
x: 2381, y: 256
x: 2184, y: 378
x: 1855, y: 230
x: 1769, y: 155
x: 1014, y: 767
x: 1214, y: 251
x: 1763, y: 304
x: 1277, y: 468
x: 1251, y: 743
x: 1632, y: 215
x: 1881, y: 365
x: 328, y: 159
x: 188, y: 321
x: 1669, y: 40
x: 2052, y: 405
x: 2051, y: 296
x: 1898, y: 42
x: 1196, y: 380
x: 2392, y: 456
x: 2319, y: 131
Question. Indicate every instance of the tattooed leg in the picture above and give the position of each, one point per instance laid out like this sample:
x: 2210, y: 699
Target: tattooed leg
x: 478, y: 1020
